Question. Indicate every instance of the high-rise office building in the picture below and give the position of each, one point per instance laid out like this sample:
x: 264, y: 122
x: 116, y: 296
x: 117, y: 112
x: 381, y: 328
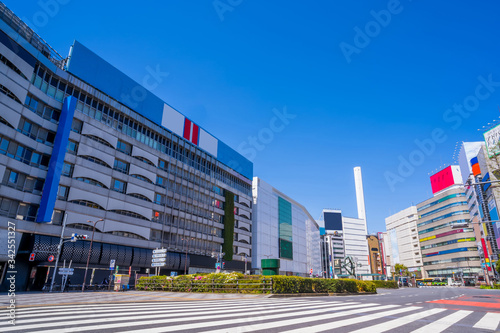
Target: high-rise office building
x: 78, y: 138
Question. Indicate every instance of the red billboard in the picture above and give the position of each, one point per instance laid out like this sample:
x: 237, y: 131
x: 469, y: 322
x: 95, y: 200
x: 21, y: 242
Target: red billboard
x: 443, y: 179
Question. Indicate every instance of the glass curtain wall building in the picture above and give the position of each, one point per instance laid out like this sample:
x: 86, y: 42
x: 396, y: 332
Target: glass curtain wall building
x: 78, y: 138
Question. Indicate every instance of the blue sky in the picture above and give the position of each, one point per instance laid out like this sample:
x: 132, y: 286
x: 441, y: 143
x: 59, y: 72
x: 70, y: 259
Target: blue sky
x: 353, y: 98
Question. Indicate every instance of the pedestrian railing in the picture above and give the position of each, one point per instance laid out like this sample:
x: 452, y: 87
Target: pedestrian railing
x: 263, y: 286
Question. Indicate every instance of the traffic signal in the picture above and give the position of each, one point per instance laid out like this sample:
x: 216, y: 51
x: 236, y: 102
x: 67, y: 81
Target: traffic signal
x: 32, y: 257
x: 223, y: 264
x: 75, y: 237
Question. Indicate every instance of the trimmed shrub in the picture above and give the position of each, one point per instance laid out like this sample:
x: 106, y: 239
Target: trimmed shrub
x: 237, y: 282
x: 385, y: 284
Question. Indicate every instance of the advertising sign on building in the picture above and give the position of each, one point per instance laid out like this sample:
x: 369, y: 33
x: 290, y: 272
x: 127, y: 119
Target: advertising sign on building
x: 491, y: 138
x: 445, y: 178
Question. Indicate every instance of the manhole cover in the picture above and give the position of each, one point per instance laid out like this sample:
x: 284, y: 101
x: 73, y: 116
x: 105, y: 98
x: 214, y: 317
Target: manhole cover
x: 481, y: 296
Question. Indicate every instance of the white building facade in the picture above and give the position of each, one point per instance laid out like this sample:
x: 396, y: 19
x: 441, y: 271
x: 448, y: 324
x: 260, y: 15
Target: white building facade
x: 283, y: 229
x: 403, y: 243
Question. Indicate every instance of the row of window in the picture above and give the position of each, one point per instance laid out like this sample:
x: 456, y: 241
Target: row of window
x: 18, y: 210
x: 4, y: 90
x: 36, y: 132
x: 165, y: 142
x: 23, y: 154
x: 442, y: 217
x: 460, y: 203
x: 42, y: 109
x: 23, y: 182
x: 454, y: 241
x: 461, y: 249
x: 448, y: 197
x: 177, y: 241
x: 448, y: 224
x: 9, y: 64
x: 447, y: 261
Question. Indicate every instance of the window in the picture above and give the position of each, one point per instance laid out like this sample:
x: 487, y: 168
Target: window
x: 67, y: 169
x: 121, y: 166
x: 124, y: 147
x: 160, y: 181
x: 91, y: 181
x: 9, y: 64
x: 159, y: 199
x: 118, y: 185
x: 9, y: 93
x: 140, y: 196
x: 142, y: 178
x: 162, y: 165
x: 76, y: 126
x: 62, y: 192
x: 95, y: 160
x: 72, y: 147
x: 145, y: 160
x: 86, y: 203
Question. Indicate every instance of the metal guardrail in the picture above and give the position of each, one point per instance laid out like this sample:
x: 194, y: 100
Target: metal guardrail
x: 27, y: 33
x: 240, y: 286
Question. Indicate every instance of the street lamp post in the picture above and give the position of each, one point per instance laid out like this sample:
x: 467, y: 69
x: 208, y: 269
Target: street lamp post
x: 90, y: 251
x: 187, y: 246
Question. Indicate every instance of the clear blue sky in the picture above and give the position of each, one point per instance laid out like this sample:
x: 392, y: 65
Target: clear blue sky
x: 229, y: 74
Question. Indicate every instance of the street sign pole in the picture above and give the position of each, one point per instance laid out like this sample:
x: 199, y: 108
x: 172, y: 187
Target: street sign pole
x: 58, y: 252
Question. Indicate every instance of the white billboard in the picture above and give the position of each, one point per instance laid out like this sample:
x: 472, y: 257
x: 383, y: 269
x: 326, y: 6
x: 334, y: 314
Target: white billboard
x: 491, y: 137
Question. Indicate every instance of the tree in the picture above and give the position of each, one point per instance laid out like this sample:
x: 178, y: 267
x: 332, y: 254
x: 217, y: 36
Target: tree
x: 400, y: 268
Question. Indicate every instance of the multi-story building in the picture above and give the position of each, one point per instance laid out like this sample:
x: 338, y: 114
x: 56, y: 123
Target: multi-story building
x: 447, y: 241
x: 333, y: 250
x: 284, y: 230
x: 404, y: 245
x: 78, y: 138
x: 376, y: 261
x: 344, y: 237
x: 477, y: 167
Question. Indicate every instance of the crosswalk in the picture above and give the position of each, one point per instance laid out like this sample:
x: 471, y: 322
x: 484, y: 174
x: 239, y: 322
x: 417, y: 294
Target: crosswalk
x: 248, y: 315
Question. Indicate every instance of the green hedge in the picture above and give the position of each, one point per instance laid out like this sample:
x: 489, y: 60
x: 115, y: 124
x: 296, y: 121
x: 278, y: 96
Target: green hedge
x: 385, y: 284
x: 495, y: 286
x: 237, y: 282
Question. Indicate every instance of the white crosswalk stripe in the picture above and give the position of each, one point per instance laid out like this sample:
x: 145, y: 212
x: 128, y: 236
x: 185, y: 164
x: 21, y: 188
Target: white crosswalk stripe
x: 489, y: 322
x: 247, y: 315
x: 443, y: 323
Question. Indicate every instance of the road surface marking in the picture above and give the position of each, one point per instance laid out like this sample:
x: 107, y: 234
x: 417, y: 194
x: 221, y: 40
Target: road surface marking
x: 490, y: 321
x: 443, y: 323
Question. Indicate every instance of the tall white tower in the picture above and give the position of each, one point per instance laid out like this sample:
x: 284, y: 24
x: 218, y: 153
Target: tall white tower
x: 360, y: 197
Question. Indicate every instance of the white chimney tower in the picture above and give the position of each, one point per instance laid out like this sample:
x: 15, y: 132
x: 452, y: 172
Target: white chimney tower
x: 360, y: 197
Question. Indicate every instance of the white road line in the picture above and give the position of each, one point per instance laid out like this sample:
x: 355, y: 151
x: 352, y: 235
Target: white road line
x: 392, y: 324
x: 126, y: 311
x: 489, y: 321
x: 182, y: 312
x: 277, y: 324
x: 352, y: 321
x: 443, y: 323
x: 124, y: 307
x: 138, y: 320
x: 248, y: 321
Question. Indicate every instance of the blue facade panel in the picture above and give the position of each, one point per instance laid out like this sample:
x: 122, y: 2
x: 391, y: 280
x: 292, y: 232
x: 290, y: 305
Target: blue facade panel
x: 91, y: 68
x: 51, y: 186
x: 234, y: 160
x: 14, y: 47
